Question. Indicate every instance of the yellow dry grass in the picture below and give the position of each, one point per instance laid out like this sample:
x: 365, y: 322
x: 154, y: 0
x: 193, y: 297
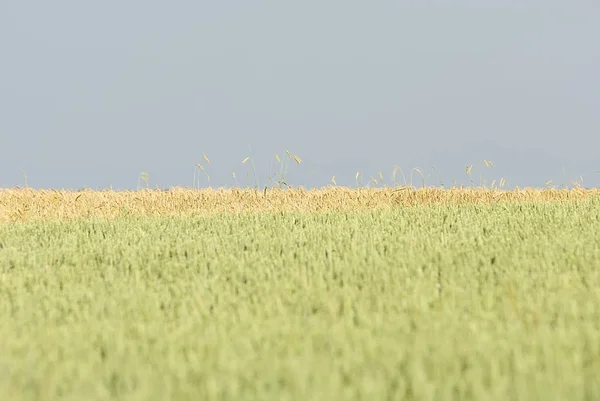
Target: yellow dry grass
x: 29, y: 204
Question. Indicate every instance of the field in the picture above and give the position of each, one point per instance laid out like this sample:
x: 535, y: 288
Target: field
x: 331, y: 294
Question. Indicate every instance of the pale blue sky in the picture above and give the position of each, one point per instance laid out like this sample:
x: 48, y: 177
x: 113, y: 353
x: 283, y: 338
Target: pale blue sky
x: 95, y: 93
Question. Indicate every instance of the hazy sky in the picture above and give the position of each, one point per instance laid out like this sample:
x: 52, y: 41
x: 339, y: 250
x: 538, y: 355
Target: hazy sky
x: 95, y: 93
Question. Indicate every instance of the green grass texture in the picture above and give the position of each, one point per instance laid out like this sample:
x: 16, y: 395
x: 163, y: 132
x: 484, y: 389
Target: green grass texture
x: 436, y: 302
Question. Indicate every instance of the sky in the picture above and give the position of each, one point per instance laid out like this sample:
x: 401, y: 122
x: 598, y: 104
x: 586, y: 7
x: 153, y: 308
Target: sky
x: 93, y: 94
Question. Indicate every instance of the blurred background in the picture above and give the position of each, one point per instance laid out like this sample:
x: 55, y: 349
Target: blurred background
x: 93, y: 94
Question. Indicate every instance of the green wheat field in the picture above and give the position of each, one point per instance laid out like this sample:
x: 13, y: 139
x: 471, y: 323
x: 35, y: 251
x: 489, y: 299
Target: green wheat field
x: 332, y: 294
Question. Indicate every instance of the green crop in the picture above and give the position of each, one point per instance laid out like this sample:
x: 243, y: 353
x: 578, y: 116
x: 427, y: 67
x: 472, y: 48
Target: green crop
x: 495, y: 301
